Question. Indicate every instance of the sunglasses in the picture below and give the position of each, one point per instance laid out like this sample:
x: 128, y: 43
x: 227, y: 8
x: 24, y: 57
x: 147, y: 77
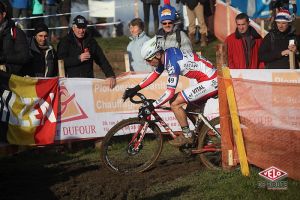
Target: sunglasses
x: 167, y: 23
x: 151, y: 58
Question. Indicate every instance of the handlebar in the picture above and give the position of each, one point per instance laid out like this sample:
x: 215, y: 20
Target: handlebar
x: 144, y: 100
x: 142, y: 97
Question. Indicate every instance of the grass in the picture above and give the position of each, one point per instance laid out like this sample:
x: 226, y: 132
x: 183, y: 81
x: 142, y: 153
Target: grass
x: 219, y: 185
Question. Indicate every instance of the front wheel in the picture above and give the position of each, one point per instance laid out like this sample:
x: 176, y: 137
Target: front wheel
x: 126, y: 150
x: 209, y: 145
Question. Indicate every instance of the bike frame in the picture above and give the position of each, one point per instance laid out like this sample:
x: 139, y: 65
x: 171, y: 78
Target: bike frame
x: 158, y: 119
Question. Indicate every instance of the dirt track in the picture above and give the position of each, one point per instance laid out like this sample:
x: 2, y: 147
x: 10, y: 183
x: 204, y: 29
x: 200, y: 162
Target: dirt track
x: 84, y: 180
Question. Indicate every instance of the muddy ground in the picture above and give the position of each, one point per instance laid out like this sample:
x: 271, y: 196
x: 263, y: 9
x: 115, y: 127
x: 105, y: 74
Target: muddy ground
x: 77, y: 179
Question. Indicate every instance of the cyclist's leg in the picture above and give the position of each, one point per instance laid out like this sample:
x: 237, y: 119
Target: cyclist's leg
x: 176, y: 105
x: 196, y: 95
x: 199, y: 92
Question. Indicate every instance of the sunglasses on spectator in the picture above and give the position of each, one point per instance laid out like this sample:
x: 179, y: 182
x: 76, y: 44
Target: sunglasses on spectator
x: 167, y: 23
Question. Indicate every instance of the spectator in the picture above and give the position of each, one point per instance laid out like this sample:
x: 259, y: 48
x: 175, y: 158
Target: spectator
x: 170, y: 35
x: 146, y: 9
x: 21, y: 9
x: 51, y: 9
x: 37, y: 11
x: 275, y: 48
x: 195, y: 10
x: 138, y: 38
x: 78, y: 50
x: 14, y: 50
x: 277, y: 5
x: 43, y: 58
x: 243, y: 44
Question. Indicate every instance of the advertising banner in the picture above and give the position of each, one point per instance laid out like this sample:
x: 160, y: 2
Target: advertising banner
x: 89, y: 108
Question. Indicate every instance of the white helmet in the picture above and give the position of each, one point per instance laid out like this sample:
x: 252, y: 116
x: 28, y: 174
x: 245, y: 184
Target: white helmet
x: 149, y: 48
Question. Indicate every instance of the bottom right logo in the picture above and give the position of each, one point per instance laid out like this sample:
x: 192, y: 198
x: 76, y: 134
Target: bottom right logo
x: 274, y: 179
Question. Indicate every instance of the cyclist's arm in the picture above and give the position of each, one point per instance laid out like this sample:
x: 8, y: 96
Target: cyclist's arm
x: 170, y: 92
x: 151, y: 77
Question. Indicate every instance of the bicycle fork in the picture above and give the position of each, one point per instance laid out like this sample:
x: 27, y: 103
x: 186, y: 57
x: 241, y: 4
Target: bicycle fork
x: 136, y: 142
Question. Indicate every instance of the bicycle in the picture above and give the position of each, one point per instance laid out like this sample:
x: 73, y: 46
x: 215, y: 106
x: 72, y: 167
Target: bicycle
x: 133, y: 145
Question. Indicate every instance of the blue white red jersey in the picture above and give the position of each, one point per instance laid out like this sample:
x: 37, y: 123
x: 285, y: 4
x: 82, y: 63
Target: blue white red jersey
x: 180, y: 63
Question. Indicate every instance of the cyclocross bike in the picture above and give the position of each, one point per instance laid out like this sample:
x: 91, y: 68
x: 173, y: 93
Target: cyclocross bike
x: 133, y: 145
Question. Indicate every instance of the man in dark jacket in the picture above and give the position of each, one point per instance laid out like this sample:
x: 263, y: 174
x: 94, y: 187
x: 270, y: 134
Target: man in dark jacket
x: 14, y: 51
x: 43, y: 58
x: 78, y: 50
x: 243, y: 44
x: 279, y: 42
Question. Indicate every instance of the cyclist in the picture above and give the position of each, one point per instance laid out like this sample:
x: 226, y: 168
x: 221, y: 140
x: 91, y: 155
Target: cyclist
x: 177, y: 62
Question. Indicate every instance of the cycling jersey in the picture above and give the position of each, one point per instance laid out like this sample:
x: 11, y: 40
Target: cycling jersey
x: 191, y: 65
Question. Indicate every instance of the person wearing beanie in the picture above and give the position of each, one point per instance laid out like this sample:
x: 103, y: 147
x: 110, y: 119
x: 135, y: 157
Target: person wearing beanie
x: 279, y: 42
x: 170, y: 34
x: 43, y: 59
x: 14, y: 51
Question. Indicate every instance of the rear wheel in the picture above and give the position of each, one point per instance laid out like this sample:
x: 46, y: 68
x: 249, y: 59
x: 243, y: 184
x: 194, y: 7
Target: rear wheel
x: 209, y: 144
x: 122, y: 152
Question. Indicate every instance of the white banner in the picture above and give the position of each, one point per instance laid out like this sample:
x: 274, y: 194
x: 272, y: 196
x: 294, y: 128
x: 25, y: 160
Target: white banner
x: 102, y: 8
x: 89, y: 108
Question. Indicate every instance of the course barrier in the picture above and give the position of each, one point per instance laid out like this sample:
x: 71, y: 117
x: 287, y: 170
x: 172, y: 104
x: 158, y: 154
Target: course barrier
x: 268, y: 109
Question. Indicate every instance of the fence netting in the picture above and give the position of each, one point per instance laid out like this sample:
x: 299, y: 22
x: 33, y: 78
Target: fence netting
x: 269, y: 113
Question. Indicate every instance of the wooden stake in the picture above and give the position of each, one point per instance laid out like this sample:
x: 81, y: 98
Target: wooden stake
x: 237, y: 132
x: 61, y: 68
x: 127, y: 64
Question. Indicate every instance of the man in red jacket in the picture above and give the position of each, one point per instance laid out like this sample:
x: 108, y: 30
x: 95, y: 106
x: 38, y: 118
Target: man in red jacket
x: 243, y: 45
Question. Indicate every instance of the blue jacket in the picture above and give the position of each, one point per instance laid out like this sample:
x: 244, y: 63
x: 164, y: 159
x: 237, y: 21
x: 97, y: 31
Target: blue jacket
x: 137, y: 63
x: 20, y: 4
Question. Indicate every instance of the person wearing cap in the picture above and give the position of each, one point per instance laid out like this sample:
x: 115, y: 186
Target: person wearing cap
x: 279, y: 42
x: 243, y: 45
x: 79, y: 49
x: 14, y: 51
x: 177, y: 63
x: 170, y: 35
x: 43, y: 58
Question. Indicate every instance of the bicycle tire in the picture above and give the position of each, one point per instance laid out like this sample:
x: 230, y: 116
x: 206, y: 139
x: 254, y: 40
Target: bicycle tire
x: 212, y: 158
x: 117, y: 154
